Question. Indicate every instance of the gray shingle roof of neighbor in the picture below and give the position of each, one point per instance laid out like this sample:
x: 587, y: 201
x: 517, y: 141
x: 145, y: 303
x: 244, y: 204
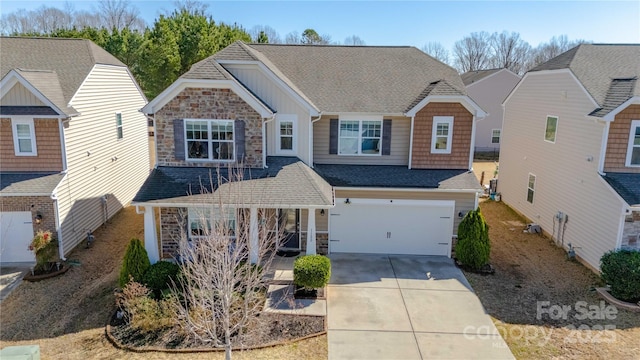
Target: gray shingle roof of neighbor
x: 382, y: 79
x: 596, y: 66
x: 27, y: 110
x: 627, y: 185
x: 41, y: 183
x: 70, y: 59
x: 286, y: 182
x: 396, y: 177
x: 470, y: 77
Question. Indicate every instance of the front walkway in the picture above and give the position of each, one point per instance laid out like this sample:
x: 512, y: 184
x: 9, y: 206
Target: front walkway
x: 406, y: 307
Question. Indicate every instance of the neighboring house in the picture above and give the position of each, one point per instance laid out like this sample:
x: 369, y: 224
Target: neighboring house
x: 570, y: 155
x: 489, y: 88
x: 73, y: 144
x: 357, y: 149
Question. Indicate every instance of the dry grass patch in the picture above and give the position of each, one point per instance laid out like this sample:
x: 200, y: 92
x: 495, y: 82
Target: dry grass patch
x: 531, y: 269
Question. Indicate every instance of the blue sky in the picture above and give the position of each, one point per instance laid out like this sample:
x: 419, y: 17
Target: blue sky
x: 413, y: 22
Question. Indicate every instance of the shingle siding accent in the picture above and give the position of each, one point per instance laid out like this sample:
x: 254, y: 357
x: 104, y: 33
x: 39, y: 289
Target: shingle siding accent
x: 618, y: 141
x: 198, y: 103
x: 49, y: 156
x: 34, y: 204
x: 422, y: 158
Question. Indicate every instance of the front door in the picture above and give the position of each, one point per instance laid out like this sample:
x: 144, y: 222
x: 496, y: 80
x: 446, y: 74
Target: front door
x: 288, y: 219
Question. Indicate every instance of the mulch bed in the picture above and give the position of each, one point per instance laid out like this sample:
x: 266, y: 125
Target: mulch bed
x: 51, y: 271
x: 487, y: 269
x: 314, y: 294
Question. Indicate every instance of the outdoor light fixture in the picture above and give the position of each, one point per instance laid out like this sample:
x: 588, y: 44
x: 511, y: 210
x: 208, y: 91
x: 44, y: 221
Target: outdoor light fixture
x: 460, y: 214
x: 322, y: 212
x: 347, y: 201
x: 38, y: 217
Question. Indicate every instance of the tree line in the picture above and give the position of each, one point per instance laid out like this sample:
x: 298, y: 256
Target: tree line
x: 158, y: 54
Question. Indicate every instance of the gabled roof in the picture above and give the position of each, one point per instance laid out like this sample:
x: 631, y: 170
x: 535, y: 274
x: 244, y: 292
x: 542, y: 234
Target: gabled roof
x: 605, y: 70
x: 471, y: 77
x: 46, y: 83
x: 627, y: 185
x: 32, y: 183
x: 66, y: 62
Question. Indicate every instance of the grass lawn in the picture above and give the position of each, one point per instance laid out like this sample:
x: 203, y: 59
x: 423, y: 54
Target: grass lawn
x: 532, y: 274
x: 66, y: 315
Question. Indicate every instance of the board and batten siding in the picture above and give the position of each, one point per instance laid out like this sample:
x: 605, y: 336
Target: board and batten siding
x: 20, y: 96
x: 281, y: 102
x: 100, y: 164
x: 400, y: 136
x: 566, y: 171
x: 465, y: 202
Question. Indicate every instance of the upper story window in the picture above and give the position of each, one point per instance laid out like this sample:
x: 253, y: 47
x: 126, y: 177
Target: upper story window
x: 24, y: 137
x: 633, y: 151
x: 360, y: 137
x: 209, y: 140
x: 201, y: 220
x: 119, y: 125
x: 442, y: 133
x: 551, y: 129
x: 531, y: 188
x: 495, y: 136
x: 286, y: 130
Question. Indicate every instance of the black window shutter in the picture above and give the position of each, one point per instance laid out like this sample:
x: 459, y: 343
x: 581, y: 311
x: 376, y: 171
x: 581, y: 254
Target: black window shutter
x: 333, y: 136
x: 239, y: 127
x: 178, y: 138
x: 386, y: 137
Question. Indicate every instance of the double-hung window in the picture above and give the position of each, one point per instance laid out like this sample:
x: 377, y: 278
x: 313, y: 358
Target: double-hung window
x: 360, y: 137
x: 286, y: 133
x: 442, y: 133
x: 551, y: 129
x: 207, y: 221
x: 211, y: 140
x: 119, y: 125
x: 531, y: 186
x: 495, y: 136
x: 633, y: 151
x: 24, y: 137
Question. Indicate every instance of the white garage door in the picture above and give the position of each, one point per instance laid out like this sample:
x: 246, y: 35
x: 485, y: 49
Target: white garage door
x: 16, y: 233
x: 419, y: 227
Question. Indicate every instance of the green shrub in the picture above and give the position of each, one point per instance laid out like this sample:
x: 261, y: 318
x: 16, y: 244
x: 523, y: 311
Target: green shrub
x: 135, y: 263
x: 160, y: 275
x: 312, y: 271
x: 621, y: 271
x: 473, y: 247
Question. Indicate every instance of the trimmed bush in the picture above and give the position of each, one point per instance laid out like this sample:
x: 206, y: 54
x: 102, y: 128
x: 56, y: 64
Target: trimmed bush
x: 312, y: 271
x: 159, y: 276
x: 621, y: 271
x: 135, y: 263
x: 473, y: 247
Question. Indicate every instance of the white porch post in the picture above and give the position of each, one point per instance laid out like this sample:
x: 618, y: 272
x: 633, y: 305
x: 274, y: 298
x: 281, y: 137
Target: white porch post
x: 253, y: 236
x: 311, y: 232
x: 150, y: 237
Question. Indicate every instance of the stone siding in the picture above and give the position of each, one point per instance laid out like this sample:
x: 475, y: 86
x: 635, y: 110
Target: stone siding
x: 172, y: 227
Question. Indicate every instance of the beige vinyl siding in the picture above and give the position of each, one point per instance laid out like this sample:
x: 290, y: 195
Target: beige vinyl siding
x: 322, y: 222
x: 464, y: 201
x: 489, y: 93
x: 98, y: 163
x: 565, y: 180
x: 400, y: 130
x: 20, y: 96
x: 280, y: 101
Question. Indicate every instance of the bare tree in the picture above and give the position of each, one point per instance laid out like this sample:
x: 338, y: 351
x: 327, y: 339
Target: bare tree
x: 472, y: 52
x: 556, y: 46
x: 509, y: 51
x: 437, y: 51
x: 120, y: 14
x: 18, y: 22
x: 354, y: 40
x: 223, y: 294
x: 271, y: 33
x: 292, y: 38
x: 190, y: 6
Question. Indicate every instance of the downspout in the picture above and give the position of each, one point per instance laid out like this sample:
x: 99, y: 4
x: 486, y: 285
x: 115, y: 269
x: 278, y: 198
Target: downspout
x: 473, y: 142
x: 603, y: 148
x: 63, y: 147
x: 56, y: 211
x: 311, y: 138
x: 264, y: 140
x: 411, y: 142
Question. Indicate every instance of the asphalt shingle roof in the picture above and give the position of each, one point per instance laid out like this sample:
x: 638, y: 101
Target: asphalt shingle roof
x: 470, y: 77
x: 29, y: 183
x: 70, y: 59
x: 598, y: 65
x: 627, y: 185
x: 396, y: 177
x: 287, y: 181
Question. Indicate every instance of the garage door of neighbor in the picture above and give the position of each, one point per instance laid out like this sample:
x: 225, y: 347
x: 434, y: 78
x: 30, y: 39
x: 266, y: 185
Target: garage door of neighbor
x: 419, y: 227
x: 16, y: 233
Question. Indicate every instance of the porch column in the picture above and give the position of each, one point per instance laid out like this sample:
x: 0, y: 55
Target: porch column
x: 150, y: 237
x: 253, y: 236
x: 311, y: 232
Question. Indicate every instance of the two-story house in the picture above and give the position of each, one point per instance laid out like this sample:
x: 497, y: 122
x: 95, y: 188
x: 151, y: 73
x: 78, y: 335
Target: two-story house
x: 73, y: 144
x: 357, y: 148
x: 488, y: 88
x: 570, y: 155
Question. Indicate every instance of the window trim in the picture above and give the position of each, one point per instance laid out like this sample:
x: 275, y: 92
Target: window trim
x: 434, y: 129
x: 212, y: 212
x: 210, y: 141
x: 292, y: 118
x: 635, y: 124
x: 119, y: 127
x: 555, y: 133
x: 22, y: 120
x: 532, y: 189
x: 499, y: 135
x: 360, y: 120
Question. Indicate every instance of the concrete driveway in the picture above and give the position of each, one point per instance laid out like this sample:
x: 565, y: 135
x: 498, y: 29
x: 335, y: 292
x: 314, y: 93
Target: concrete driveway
x: 10, y: 278
x: 406, y: 307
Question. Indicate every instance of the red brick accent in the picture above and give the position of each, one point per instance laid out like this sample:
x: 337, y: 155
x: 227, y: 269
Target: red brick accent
x: 35, y: 204
x: 618, y: 141
x: 48, y: 147
x: 421, y: 156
